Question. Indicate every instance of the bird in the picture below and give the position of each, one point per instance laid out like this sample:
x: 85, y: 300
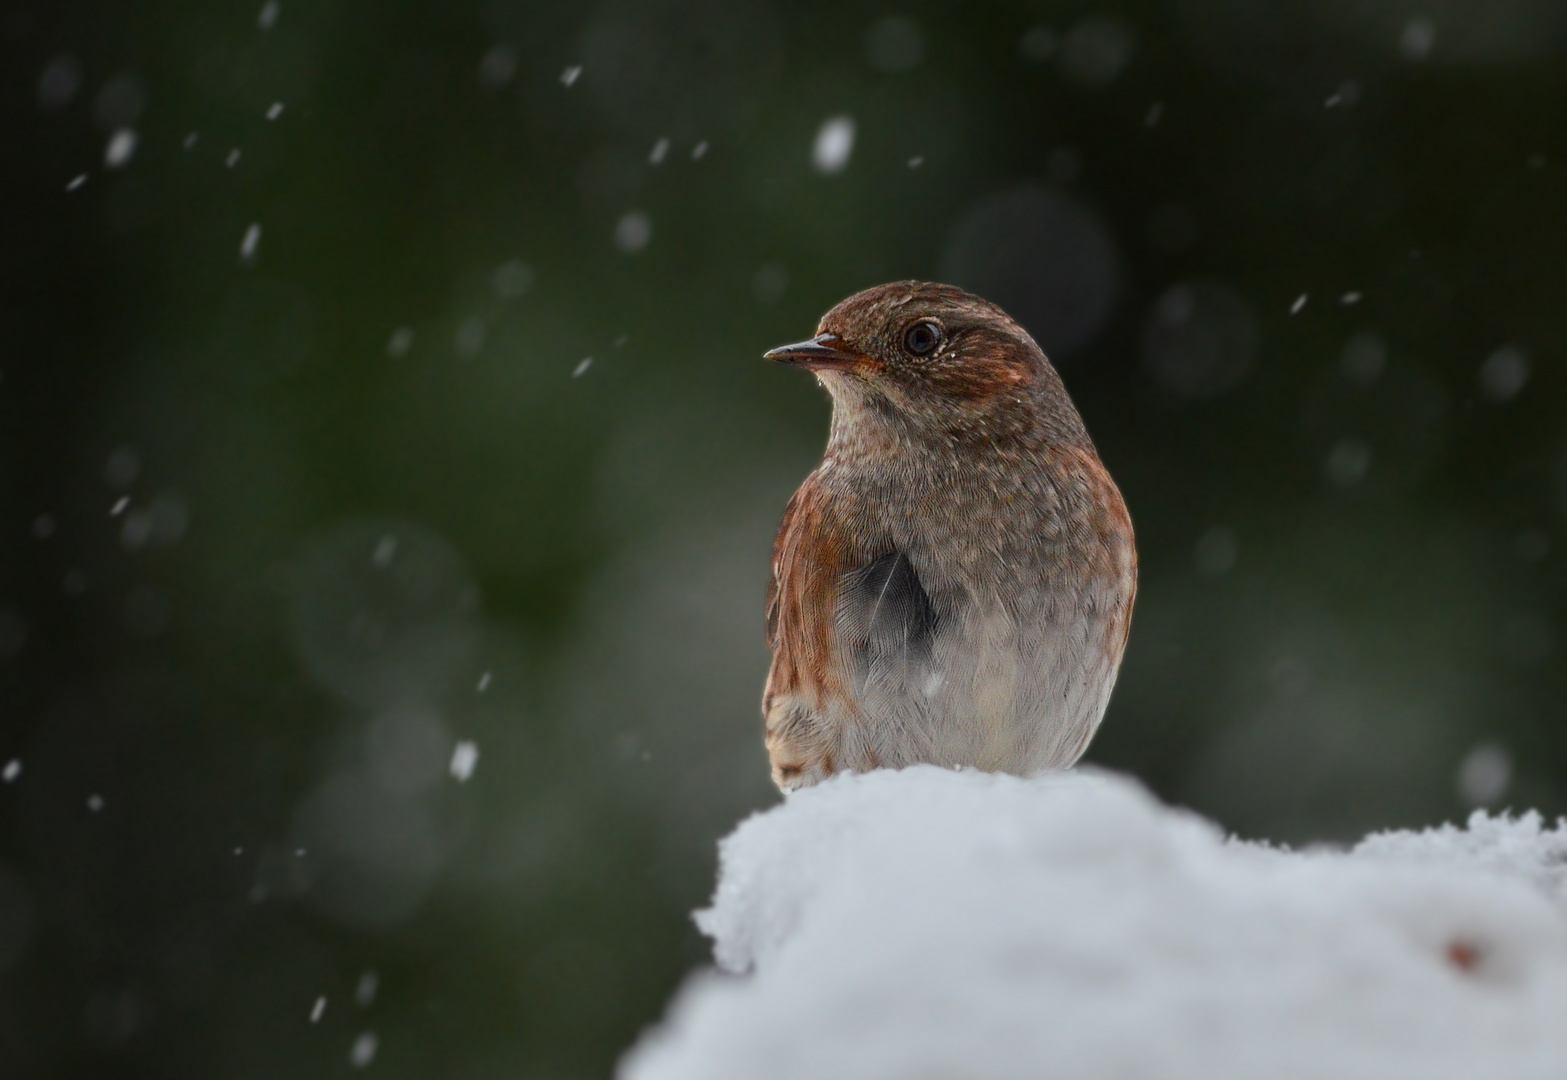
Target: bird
x: 953, y: 584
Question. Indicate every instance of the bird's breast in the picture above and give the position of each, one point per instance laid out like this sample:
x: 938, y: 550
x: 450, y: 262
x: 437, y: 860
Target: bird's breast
x: 1001, y: 601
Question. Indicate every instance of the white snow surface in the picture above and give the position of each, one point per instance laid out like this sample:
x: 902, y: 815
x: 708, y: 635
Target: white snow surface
x: 937, y: 924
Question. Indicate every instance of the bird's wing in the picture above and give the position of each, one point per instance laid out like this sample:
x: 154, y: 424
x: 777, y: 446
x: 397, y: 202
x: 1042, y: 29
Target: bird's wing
x: 884, y: 613
x: 808, y: 560
x: 887, y: 630
x: 808, y: 693
x: 784, y: 552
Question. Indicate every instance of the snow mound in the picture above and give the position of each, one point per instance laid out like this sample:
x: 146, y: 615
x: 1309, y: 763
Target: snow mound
x: 935, y: 924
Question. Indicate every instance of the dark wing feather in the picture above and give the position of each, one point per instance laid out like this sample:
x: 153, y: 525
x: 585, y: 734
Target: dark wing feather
x: 885, y: 616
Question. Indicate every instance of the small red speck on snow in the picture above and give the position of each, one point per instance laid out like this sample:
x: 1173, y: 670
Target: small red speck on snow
x: 1463, y: 955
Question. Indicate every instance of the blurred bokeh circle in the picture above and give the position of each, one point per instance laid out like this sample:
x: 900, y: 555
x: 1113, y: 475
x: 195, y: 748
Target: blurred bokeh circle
x: 1047, y: 259
x: 383, y: 612
x: 407, y: 749
x: 370, y: 855
x: 1374, y: 427
x: 1094, y: 52
x: 1199, y: 339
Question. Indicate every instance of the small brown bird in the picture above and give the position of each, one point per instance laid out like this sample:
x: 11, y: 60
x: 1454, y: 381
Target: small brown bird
x: 954, y: 582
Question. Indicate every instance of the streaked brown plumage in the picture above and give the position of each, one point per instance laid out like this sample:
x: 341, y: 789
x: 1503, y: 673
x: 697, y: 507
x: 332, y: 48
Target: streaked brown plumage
x: 954, y: 582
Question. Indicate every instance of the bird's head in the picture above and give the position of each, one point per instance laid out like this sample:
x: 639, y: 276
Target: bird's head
x: 936, y: 359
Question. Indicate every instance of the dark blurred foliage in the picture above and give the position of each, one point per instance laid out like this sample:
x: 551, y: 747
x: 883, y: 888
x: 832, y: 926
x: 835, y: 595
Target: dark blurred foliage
x: 309, y: 490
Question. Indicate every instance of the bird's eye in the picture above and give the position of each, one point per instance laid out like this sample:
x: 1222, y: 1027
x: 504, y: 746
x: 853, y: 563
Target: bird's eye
x: 922, y: 338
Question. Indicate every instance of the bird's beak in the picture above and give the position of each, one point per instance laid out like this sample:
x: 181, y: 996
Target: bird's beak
x: 824, y: 352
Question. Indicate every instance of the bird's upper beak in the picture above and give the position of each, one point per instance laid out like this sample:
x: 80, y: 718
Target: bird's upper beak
x: 824, y: 352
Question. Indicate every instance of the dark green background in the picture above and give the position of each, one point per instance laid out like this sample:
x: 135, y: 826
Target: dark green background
x: 261, y: 663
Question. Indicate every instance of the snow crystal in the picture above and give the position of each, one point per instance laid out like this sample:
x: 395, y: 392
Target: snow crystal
x: 12, y: 770
x: 1038, y: 44
x: 233, y: 158
x: 59, y: 82
x: 363, y: 1051
x: 570, y: 75
x: 659, y: 152
x: 512, y: 279
x: 633, y: 232
x: 582, y: 367
x: 484, y: 682
x: 1364, y: 357
x: 916, y: 161
x: 95, y: 802
x: 191, y: 140
x: 1504, y: 373
x: 136, y: 531
x: 121, y: 148
x: 1485, y: 774
x: 169, y: 517
x: 1094, y: 52
x: 385, y: 551
x: 465, y: 758
x: 469, y: 338
x: 364, y: 993
x: 834, y: 143
x: 498, y: 66
x: 119, y: 506
x: 318, y: 1010
x: 1300, y: 302
x: 269, y: 14
x: 1348, y: 461
x: 275, y: 110
x: 76, y: 182
x: 251, y: 241
x: 1417, y: 39
x: 401, y: 341
x: 936, y: 923
x: 122, y: 467
x: 1347, y: 94
x: 699, y: 151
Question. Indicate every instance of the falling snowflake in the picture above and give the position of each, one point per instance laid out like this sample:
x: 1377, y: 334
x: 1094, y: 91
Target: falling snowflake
x: 252, y: 241
x: 121, y: 148
x: 834, y: 144
x: 465, y: 758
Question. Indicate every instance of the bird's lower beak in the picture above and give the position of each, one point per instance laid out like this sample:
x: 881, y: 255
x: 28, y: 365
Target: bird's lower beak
x: 824, y: 352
